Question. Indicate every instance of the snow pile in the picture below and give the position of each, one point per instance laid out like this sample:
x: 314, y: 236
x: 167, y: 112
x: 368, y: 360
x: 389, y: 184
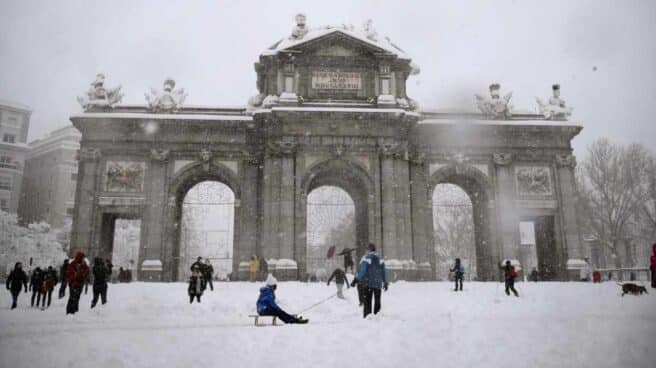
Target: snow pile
x: 421, y: 325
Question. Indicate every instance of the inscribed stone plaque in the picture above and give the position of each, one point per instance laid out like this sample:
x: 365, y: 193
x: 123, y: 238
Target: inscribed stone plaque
x: 334, y: 79
x: 124, y: 176
x: 533, y: 181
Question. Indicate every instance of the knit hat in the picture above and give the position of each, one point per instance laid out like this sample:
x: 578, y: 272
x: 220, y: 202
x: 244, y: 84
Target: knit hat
x: 270, y: 280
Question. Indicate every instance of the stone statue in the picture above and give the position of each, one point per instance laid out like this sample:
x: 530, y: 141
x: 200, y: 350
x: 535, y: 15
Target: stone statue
x: 369, y: 30
x: 99, y: 96
x: 555, y: 109
x: 167, y: 99
x: 495, y: 107
x: 300, y: 29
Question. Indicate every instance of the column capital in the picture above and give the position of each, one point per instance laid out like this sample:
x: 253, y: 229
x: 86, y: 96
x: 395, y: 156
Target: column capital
x: 161, y: 155
x: 88, y: 154
x: 565, y: 160
x: 502, y: 158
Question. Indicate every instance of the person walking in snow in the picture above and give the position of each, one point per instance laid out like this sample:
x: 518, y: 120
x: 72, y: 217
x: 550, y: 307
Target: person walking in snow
x: 195, y: 289
x: 200, y: 265
x: 36, y: 284
x: 509, y: 276
x: 101, y: 273
x: 340, y: 280
x: 372, y: 274
x: 266, y: 303
x: 15, y: 282
x: 459, y: 273
x: 49, y: 282
x: 207, y: 273
x: 534, y: 275
x: 348, y: 259
x: 62, y: 277
x: 77, y: 274
x: 652, y: 266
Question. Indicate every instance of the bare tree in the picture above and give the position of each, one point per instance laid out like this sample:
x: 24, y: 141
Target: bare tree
x: 614, y: 184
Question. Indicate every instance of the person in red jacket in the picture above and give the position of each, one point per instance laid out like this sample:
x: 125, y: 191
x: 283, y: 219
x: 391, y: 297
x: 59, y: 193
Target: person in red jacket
x: 77, y: 275
x: 652, y: 266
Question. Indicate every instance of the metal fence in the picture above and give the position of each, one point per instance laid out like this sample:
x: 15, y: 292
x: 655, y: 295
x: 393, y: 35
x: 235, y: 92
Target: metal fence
x: 625, y: 274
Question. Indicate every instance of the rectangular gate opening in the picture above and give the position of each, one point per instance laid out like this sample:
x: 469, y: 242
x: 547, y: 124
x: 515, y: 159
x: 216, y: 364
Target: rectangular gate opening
x: 538, y: 247
x: 120, y: 242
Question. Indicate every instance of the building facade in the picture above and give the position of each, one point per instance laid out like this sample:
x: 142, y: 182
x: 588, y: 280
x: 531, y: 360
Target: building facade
x: 332, y: 109
x: 14, y: 125
x: 50, y: 178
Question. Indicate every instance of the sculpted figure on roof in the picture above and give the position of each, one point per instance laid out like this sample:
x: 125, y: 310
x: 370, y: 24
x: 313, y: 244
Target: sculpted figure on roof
x: 99, y: 96
x: 555, y: 109
x: 300, y: 29
x: 495, y: 107
x: 168, y: 99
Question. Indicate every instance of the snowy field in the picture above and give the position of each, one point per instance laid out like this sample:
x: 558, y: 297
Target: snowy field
x: 421, y: 325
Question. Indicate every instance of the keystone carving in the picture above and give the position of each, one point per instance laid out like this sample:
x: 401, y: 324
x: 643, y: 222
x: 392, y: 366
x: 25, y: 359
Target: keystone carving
x: 502, y: 158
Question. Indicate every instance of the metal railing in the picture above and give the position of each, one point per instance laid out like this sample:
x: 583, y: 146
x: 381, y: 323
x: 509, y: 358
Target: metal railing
x: 625, y: 274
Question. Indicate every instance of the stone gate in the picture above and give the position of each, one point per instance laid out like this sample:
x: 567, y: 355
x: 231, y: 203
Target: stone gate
x: 332, y: 109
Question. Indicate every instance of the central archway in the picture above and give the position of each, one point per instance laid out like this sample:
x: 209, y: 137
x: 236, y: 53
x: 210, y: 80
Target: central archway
x: 183, y: 182
x: 475, y: 184
x: 355, y: 181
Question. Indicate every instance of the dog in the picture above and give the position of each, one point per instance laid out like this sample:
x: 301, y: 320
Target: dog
x: 630, y: 288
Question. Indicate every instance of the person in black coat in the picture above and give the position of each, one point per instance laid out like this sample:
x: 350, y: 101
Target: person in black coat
x: 509, y: 275
x: 340, y: 279
x: 36, y: 284
x: 348, y: 259
x: 62, y: 277
x: 49, y: 282
x: 458, y: 271
x: 16, y: 280
x: 208, y: 273
x: 195, y: 289
x: 101, y: 274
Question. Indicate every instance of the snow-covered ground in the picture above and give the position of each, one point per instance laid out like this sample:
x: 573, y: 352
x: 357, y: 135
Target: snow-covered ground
x: 421, y: 325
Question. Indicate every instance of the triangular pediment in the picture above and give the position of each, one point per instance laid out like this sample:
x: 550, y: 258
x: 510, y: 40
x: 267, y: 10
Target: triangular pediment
x: 338, y: 41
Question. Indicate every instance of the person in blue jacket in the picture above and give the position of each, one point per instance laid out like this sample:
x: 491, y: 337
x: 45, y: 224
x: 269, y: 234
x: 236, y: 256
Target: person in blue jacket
x: 372, y: 275
x: 266, y: 303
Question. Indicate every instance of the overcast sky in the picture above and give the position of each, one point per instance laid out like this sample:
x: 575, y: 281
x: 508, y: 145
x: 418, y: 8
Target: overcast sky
x: 603, y: 53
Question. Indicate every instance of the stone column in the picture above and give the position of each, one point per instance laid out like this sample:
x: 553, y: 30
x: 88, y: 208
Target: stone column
x: 156, y: 191
x: 271, y: 208
x: 422, y: 226
x: 388, y: 208
x: 403, y: 213
x: 246, y: 215
x: 508, y: 221
x: 89, y: 173
x: 565, y: 165
x: 287, y: 192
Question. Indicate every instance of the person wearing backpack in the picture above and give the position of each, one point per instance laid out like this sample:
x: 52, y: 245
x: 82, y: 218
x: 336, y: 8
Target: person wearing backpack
x: 510, y: 275
x: 459, y: 273
x: 371, y: 274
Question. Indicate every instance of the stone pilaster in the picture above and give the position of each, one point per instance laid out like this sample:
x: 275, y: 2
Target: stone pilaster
x: 388, y: 208
x: 154, y: 214
x: 247, y: 214
x: 508, y: 221
x: 89, y: 173
x: 422, y: 226
x: 565, y: 165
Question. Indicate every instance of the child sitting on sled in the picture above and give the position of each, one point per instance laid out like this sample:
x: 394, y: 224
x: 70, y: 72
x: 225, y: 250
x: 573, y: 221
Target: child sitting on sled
x: 266, y: 303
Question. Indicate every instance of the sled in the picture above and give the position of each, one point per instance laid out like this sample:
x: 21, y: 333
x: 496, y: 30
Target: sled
x: 258, y: 317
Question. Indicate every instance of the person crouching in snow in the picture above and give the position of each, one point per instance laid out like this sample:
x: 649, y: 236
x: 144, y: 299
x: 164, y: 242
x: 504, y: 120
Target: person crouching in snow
x: 266, y: 303
x: 340, y: 280
x: 459, y: 273
x: 196, y: 286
